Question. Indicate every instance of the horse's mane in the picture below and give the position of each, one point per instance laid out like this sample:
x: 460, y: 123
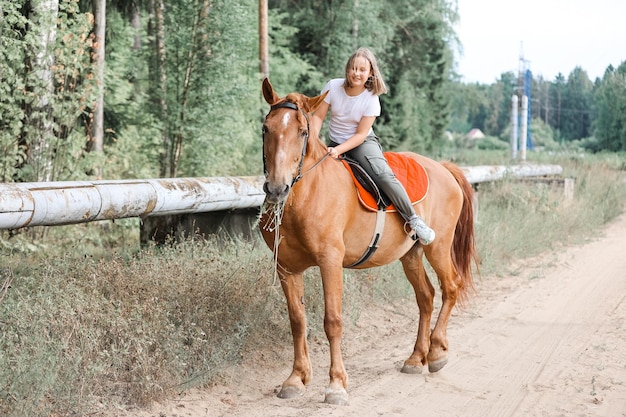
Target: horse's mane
x: 298, y: 99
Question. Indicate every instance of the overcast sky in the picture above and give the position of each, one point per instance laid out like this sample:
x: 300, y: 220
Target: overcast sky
x: 552, y: 35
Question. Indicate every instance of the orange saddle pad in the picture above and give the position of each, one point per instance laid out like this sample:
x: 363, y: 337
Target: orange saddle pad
x: 408, y: 171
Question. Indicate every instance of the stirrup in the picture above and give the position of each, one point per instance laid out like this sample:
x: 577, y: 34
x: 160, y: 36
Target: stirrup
x: 421, y: 231
x: 410, y: 232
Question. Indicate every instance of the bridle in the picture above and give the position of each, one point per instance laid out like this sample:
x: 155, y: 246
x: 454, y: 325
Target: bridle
x: 300, y: 174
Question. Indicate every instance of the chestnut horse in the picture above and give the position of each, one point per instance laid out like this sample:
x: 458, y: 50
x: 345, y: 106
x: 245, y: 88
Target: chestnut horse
x: 312, y: 217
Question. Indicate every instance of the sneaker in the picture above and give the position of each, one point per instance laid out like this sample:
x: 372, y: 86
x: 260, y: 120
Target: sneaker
x: 425, y: 234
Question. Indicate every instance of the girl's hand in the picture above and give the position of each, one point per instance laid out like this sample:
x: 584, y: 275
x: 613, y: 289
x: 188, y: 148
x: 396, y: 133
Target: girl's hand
x: 333, y: 152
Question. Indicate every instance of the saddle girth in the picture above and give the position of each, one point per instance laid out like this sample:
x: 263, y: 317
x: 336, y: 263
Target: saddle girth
x: 382, y: 201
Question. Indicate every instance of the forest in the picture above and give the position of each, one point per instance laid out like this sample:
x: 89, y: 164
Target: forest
x: 91, y: 89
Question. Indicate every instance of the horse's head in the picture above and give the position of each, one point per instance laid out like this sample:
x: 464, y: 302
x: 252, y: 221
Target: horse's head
x: 285, y: 140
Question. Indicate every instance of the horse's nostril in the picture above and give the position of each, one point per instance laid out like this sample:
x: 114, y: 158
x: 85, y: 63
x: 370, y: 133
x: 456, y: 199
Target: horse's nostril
x: 275, y: 192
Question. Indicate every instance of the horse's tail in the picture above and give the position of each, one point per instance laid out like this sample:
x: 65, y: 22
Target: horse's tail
x: 463, y: 250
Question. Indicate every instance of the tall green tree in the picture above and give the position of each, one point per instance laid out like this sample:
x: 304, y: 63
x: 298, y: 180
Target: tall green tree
x: 185, y: 103
x: 500, y: 94
x: 411, y: 40
x: 220, y: 129
x: 289, y: 71
x: 576, y: 106
x: 610, y: 99
x: 39, y: 135
x: 324, y: 34
x: 13, y: 48
x: 469, y: 106
x: 96, y: 131
x: 421, y: 59
x: 556, y: 96
x: 46, y: 80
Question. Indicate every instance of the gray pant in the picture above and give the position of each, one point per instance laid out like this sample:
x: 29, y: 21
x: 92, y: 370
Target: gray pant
x: 370, y: 156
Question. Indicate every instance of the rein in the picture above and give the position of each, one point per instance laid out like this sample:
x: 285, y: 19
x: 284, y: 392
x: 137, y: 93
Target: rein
x: 296, y: 179
x: 293, y: 106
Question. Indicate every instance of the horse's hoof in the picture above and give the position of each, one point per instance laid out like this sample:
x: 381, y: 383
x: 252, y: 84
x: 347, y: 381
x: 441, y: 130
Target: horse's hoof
x: 290, y: 392
x: 336, y: 397
x: 411, y: 369
x: 435, y: 366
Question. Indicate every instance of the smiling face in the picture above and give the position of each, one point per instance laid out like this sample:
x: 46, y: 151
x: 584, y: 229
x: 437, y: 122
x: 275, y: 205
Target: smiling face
x: 362, y: 73
x: 359, y: 72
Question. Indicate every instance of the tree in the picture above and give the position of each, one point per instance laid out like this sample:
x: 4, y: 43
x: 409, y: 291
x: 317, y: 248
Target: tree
x: 421, y: 60
x: 289, y: 71
x: 469, y: 106
x: 555, y: 97
x: 610, y: 99
x: 411, y: 40
x: 186, y: 102
x: 159, y: 77
x: 45, y: 82
x: 39, y: 140
x: 195, y: 47
x: 96, y: 133
x: 499, y: 111
x: 576, y: 106
x: 13, y: 49
x: 324, y: 34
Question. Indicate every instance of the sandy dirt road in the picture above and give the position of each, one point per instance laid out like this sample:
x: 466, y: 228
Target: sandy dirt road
x: 547, y: 340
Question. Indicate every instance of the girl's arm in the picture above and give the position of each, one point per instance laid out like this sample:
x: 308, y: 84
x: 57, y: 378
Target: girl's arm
x: 365, y: 124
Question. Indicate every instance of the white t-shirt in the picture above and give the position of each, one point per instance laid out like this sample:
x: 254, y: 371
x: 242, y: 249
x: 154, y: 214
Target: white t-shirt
x: 346, y: 111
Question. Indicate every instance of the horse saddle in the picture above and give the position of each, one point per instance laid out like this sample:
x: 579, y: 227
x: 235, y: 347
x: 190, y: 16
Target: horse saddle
x: 407, y: 170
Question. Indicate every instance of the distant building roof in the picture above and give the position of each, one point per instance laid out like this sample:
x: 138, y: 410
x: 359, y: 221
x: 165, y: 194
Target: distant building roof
x: 475, y: 134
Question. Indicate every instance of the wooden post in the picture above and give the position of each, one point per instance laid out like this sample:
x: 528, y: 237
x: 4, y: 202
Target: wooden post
x: 96, y: 138
x: 264, y: 66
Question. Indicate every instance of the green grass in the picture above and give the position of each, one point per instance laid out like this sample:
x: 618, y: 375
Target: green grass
x: 518, y: 219
x: 89, y: 318
x: 80, y: 330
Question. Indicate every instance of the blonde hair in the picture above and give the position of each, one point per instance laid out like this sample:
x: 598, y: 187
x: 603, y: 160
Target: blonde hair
x: 375, y: 82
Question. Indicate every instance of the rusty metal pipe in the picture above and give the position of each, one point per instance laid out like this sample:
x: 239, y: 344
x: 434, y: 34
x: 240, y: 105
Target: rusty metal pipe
x: 56, y: 203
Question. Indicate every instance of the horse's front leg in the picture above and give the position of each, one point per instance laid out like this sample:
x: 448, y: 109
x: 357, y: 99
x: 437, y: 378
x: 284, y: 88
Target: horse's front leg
x: 332, y: 279
x: 295, y: 385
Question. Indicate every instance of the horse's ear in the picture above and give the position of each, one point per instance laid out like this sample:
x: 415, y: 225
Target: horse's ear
x: 314, y: 102
x: 268, y: 92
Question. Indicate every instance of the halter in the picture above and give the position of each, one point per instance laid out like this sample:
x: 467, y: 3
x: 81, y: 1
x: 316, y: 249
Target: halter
x: 293, y: 106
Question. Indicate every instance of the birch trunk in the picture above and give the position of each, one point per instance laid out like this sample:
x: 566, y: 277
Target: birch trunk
x: 41, y: 143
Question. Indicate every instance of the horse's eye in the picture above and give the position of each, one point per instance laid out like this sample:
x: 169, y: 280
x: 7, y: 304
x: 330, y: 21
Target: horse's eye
x: 264, y: 130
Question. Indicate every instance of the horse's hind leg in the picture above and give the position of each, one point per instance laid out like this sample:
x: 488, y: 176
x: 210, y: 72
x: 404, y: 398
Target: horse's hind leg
x: 424, y: 294
x: 440, y: 260
x: 294, y: 386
